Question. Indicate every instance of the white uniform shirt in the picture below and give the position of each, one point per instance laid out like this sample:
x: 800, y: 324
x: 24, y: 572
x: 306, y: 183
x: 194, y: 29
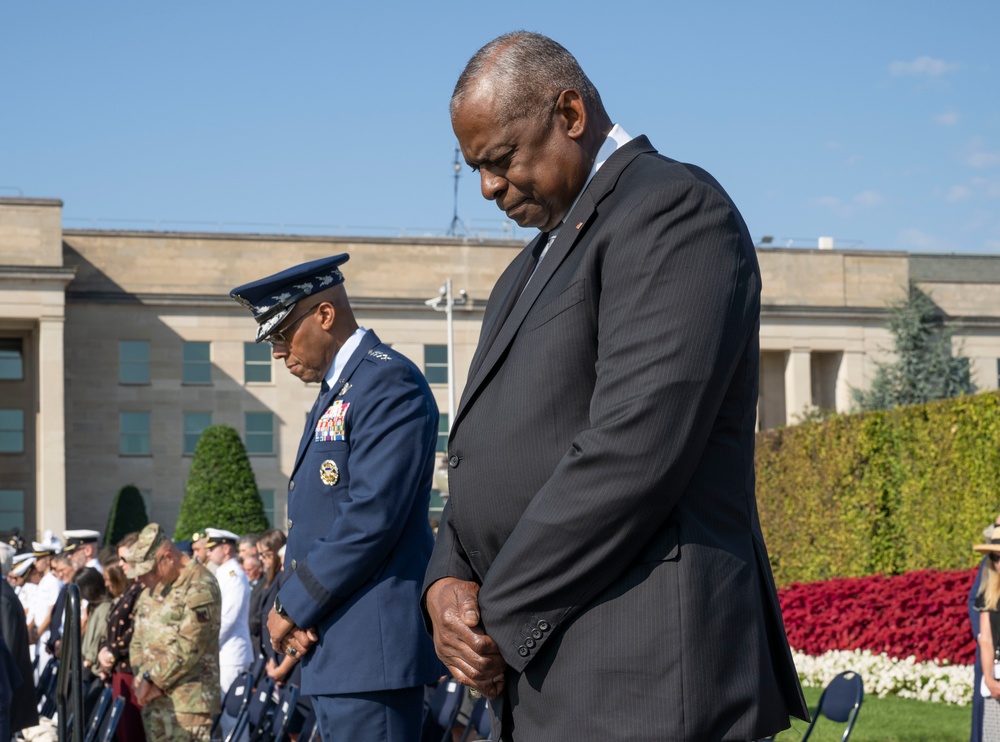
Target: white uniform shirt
x: 234, y: 631
x: 96, y: 564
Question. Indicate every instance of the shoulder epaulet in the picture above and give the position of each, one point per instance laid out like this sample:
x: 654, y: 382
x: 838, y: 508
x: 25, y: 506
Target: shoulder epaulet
x: 380, y: 355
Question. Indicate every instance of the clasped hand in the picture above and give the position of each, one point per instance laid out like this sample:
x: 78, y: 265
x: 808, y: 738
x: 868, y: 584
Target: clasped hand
x: 287, y: 638
x: 469, y: 653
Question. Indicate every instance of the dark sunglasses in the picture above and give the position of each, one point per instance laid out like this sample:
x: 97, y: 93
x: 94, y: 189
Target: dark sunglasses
x: 994, y: 557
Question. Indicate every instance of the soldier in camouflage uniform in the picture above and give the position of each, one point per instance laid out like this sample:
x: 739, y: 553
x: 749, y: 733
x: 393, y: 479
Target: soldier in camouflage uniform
x: 174, y: 651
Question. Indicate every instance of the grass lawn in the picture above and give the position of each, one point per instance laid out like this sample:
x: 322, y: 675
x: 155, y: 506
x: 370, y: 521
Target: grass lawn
x: 889, y: 720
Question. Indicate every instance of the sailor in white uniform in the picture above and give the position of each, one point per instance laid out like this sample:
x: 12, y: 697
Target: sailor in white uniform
x: 235, y: 652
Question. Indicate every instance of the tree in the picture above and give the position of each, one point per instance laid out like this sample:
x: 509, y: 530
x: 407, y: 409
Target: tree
x: 128, y: 514
x: 221, y: 489
x: 924, y: 369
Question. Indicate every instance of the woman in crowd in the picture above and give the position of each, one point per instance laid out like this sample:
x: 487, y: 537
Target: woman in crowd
x: 113, y: 657
x: 988, y: 603
x: 280, y: 667
x: 94, y: 592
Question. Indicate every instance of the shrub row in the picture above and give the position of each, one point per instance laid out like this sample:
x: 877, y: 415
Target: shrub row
x: 880, y: 492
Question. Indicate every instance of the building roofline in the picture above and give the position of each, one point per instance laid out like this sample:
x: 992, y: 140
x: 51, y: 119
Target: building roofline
x: 273, y: 237
x: 22, y: 201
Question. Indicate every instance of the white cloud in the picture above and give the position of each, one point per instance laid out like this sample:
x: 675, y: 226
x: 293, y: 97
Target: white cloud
x: 977, y: 156
x: 948, y: 118
x: 922, y: 66
x: 868, y: 198
x: 958, y: 193
x: 853, y: 160
x: 834, y: 204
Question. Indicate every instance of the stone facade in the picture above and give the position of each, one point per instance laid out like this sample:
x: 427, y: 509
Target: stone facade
x: 127, y: 339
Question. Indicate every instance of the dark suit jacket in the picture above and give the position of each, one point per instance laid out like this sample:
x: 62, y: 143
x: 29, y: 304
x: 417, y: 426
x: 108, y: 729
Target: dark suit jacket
x: 14, y: 631
x: 359, y: 542
x: 602, y: 481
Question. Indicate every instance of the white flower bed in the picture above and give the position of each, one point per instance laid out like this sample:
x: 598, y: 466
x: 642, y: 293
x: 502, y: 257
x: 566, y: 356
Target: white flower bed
x: 889, y: 676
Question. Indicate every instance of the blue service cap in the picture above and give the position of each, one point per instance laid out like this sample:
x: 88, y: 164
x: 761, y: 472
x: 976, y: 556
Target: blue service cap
x: 271, y: 299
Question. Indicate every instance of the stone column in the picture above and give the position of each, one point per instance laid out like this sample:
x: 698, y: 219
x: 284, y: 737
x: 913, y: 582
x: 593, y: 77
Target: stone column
x: 851, y: 375
x: 798, y: 384
x: 50, y: 494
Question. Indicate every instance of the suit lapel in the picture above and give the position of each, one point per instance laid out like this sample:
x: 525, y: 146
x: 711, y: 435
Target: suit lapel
x: 574, y: 226
x: 495, y: 321
x: 323, y: 401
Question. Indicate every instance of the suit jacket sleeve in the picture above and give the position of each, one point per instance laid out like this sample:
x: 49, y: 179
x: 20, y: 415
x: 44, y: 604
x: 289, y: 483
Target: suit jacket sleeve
x: 393, y: 431
x: 679, y: 302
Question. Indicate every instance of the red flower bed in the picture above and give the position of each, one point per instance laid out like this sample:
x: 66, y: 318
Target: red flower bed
x: 924, y: 614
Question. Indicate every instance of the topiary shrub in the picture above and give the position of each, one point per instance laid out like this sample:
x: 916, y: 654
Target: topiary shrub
x: 221, y: 490
x: 128, y: 514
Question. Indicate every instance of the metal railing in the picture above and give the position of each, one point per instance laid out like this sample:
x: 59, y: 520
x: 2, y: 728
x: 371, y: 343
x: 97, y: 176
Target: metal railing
x: 69, y: 683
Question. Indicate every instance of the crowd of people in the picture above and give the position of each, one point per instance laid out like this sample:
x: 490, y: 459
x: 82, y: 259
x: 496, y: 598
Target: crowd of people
x: 160, y: 620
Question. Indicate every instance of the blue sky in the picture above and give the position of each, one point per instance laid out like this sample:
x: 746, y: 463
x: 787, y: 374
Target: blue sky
x: 876, y: 123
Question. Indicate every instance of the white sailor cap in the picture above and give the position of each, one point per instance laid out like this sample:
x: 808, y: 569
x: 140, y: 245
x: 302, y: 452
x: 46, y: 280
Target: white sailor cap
x: 20, y: 569
x: 217, y: 536
x: 75, y: 539
x: 40, y: 549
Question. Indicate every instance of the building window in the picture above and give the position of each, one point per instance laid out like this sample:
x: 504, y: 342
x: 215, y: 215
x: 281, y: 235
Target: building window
x: 197, y: 368
x: 260, y: 432
x: 436, y: 364
x: 11, y: 510
x: 442, y: 446
x: 194, y: 424
x: 133, y: 362
x: 11, y: 431
x: 11, y: 359
x: 267, y: 497
x: 256, y: 363
x: 134, y: 436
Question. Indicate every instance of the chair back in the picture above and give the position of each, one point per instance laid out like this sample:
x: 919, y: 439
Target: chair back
x: 97, y: 715
x: 238, y: 695
x: 283, y: 713
x: 445, y: 705
x: 111, y: 719
x: 479, y: 722
x: 45, y: 677
x: 840, y: 701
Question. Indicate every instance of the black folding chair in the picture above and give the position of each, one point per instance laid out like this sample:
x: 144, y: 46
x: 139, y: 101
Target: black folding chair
x: 257, y: 669
x: 443, y: 708
x: 840, y: 701
x: 45, y: 679
x: 257, y: 713
x: 107, y: 731
x: 479, y: 722
x: 97, y: 715
x: 236, y: 700
x: 310, y: 728
x: 287, y: 699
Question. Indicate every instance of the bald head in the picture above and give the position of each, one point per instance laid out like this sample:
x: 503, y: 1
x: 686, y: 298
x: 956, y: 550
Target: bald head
x: 523, y: 73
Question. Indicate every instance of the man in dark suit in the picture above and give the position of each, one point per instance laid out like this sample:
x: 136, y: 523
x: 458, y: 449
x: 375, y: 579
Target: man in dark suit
x: 600, y: 571
x: 358, y: 535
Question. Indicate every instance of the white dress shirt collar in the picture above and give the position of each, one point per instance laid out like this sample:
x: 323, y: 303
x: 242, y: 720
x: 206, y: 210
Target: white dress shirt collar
x: 343, y: 356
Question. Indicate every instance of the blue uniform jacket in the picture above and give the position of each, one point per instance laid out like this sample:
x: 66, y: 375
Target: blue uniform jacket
x: 359, y: 539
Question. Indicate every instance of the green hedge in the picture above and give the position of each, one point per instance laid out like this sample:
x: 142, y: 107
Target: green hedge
x: 880, y: 492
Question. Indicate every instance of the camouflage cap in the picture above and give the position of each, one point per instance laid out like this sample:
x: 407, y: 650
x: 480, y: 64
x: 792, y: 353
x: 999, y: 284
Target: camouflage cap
x: 142, y: 557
